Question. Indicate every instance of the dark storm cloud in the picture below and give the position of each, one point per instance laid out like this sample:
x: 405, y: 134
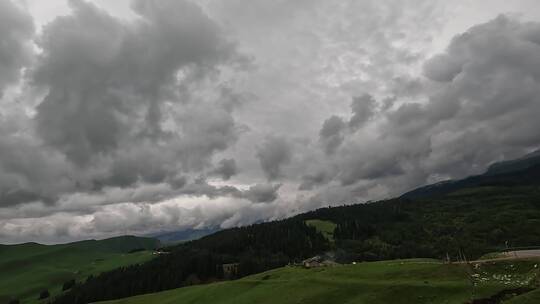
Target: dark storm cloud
x: 27, y: 171
x: 126, y: 103
x: 106, y: 77
x: 331, y: 134
x: 226, y: 168
x: 262, y: 193
x: 442, y: 68
x: 498, y: 81
x: 16, y: 28
x: 493, y: 101
x: 362, y: 109
x: 334, y: 128
x: 273, y: 154
x: 483, y: 103
x: 371, y: 164
x: 309, y: 181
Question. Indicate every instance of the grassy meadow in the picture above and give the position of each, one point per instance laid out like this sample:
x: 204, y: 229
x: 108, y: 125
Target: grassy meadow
x: 325, y: 227
x: 402, y: 281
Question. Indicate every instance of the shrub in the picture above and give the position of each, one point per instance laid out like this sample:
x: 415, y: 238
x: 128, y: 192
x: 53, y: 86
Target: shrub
x: 44, y: 294
x: 68, y: 285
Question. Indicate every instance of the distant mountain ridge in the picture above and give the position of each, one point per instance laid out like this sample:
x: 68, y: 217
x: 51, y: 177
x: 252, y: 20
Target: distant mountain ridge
x: 118, y: 244
x: 523, y: 171
x: 521, y: 163
x: 171, y: 237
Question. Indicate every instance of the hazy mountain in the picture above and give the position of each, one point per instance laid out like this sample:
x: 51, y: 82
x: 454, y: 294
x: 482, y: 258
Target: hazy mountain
x: 522, y: 171
x: 169, y: 237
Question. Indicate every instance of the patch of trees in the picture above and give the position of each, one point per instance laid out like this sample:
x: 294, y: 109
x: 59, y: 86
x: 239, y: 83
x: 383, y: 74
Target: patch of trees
x: 68, y: 285
x: 44, y: 294
x: 136, y: 250
x: 470, y: 222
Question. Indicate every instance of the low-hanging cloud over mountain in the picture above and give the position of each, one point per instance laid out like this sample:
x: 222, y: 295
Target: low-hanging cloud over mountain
x: 193, y: 115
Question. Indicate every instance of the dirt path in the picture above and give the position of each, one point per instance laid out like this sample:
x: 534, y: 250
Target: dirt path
x: 523, y: 253
x: 510, y: 255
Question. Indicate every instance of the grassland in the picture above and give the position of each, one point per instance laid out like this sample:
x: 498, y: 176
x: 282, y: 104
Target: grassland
x: 27, y: 269
x: 325, y: 227
x: 404, y: 282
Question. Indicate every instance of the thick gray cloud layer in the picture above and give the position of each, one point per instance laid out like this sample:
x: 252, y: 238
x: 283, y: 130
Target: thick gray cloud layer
x: 331, y: 133
x: 262, y: 193
x: 484, y: 97
x: 362, y: 109
x: 121, y: 106
x: 16, y: 29
x: 193, y: 115
x: 226, y: 168
x: 273, y: 154
x: 109, y: 82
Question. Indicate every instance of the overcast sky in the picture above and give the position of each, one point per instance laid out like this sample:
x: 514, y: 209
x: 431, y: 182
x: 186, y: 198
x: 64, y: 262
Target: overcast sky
x: 131, y: 117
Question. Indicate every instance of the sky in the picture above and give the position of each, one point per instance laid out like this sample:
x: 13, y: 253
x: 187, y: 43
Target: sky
x: 135, y: 117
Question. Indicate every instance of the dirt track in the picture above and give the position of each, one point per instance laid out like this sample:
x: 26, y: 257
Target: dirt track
x: 510, y: 255
x: 523, y: 253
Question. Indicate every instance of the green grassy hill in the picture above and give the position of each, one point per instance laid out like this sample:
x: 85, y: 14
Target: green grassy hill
x: 401, y: 281
x: 27, y: 269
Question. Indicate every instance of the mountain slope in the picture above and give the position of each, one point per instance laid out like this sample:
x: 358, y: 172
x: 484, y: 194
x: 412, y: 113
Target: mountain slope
x: 519, y: 164
x: 524, y: 172
x: 172, y: 237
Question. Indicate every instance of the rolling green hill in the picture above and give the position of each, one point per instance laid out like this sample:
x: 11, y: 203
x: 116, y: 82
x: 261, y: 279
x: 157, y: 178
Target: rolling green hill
x: 400, y: 281
x: 27, y: 269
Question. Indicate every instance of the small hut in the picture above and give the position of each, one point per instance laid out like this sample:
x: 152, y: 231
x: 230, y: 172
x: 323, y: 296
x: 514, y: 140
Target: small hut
x: 230, y: 271
x: 319, y: 261
x: 315, y: 261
